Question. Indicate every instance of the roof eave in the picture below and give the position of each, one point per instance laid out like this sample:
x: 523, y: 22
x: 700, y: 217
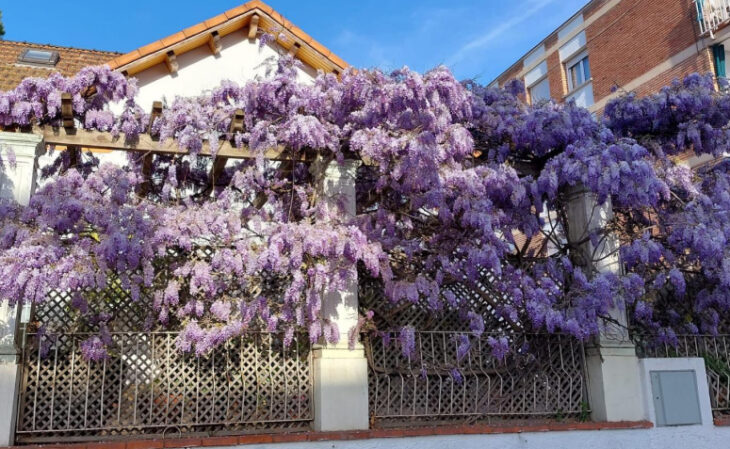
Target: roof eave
x: 310, y: 52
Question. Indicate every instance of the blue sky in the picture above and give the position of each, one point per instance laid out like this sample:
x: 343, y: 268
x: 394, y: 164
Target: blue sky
x: 475, y: 38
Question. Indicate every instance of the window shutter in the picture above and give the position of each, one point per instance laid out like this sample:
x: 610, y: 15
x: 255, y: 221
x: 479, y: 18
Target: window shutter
x: 718, y: 53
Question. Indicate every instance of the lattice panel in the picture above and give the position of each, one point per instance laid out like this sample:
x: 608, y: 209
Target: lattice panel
x: 542, y: 376
x: 57, y: 314
x: 419, y: 315
x: 148, y: 387
x: 715, y: 349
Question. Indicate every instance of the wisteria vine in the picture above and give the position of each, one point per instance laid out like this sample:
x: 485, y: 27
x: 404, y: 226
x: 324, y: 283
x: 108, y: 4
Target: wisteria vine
x: 459, y: 185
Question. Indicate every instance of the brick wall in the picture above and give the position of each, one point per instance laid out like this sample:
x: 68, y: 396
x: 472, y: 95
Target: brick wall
x: 634, y: 37
x: 700, y: 63
x: 510, y: 74
x: 556, y: 77
x: 629, y: 40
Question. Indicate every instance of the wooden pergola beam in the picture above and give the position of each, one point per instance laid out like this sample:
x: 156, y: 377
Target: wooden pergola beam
x: 171, y: 62
x: 294, y: 49
x: 69, y: 125
x: 144, y: 188
x: 146, y: 143
x: 67, y: 110
x: 219, y: 164
x: 236, y: 122
x: 253, y: 26
x: 214, y: 43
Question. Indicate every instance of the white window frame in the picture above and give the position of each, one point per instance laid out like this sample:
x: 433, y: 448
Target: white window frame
x: 574, y: 61
x: 540, y: 80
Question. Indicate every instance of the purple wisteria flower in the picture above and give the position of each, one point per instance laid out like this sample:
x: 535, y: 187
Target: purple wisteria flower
x: 462, y: 201
x: 500, y: 347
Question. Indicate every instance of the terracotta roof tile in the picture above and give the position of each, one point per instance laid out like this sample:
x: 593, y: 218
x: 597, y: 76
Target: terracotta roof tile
x: 71, y: 60
x: 195, y: 29
x: 260, y: 5
x: 222, y: 18
x: 174, y: 39
x: 125, y: 58
x: 150, y: 48
x: 217, y: 20
x: 237, y: 11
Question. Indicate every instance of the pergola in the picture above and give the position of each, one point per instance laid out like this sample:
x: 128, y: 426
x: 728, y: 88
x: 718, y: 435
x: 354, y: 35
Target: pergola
x: 249, y: 20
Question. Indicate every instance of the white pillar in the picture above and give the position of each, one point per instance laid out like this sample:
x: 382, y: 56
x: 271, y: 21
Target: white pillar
x: 614, y: 374
x: 341, y: 374
x: 17, y: 183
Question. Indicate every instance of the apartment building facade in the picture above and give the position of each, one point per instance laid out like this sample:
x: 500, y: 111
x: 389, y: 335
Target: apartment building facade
x: 613, y: 46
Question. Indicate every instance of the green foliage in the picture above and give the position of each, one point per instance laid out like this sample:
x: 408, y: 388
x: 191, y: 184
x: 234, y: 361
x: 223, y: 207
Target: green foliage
x: 2, y: 28
x: 718, y: 365
x: 721, y: 368
x: 585, y: 412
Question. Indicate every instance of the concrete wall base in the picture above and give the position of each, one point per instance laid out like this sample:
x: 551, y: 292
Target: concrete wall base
x: 614, y: 383
x: 694, y: 437
x: 9, y: 384
x: 340, y: 389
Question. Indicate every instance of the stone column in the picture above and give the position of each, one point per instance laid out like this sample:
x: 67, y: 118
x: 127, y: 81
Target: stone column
x: 341, y: 374
x: 18, y: 184
x: 614, y: 375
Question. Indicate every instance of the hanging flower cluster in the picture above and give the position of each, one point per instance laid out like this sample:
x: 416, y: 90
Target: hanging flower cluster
x: 460, y: 186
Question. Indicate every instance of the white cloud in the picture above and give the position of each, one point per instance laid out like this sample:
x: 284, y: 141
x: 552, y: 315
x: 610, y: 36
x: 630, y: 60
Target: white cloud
x: 506, y: 26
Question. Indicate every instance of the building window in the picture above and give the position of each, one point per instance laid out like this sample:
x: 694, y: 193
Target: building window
x: 718, y: 55
x: 39, y: 57
x: 579, y: 72
x: 540, y: 91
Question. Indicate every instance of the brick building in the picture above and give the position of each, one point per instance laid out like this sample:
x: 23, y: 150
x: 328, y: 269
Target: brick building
x: 632, y: 45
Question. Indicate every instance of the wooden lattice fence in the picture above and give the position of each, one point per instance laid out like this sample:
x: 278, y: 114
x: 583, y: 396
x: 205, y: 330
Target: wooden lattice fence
x: 420, y: 316
x: 253, y: 383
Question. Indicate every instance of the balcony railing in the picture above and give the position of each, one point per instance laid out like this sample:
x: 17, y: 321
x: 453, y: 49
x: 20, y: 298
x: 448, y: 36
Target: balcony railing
x: 711, y: 14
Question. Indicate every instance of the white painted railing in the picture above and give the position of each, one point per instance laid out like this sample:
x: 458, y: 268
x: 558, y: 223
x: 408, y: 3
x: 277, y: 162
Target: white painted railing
x: 711, y: 14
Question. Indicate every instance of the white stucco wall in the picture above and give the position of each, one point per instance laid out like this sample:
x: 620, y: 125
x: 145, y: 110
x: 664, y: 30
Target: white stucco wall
x: 18, y: 184
x: 240, y: 60
x: 689, y: 437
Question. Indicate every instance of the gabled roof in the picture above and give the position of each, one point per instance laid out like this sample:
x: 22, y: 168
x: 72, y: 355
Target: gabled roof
x: 234, y: 20
x: 71, y: 60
